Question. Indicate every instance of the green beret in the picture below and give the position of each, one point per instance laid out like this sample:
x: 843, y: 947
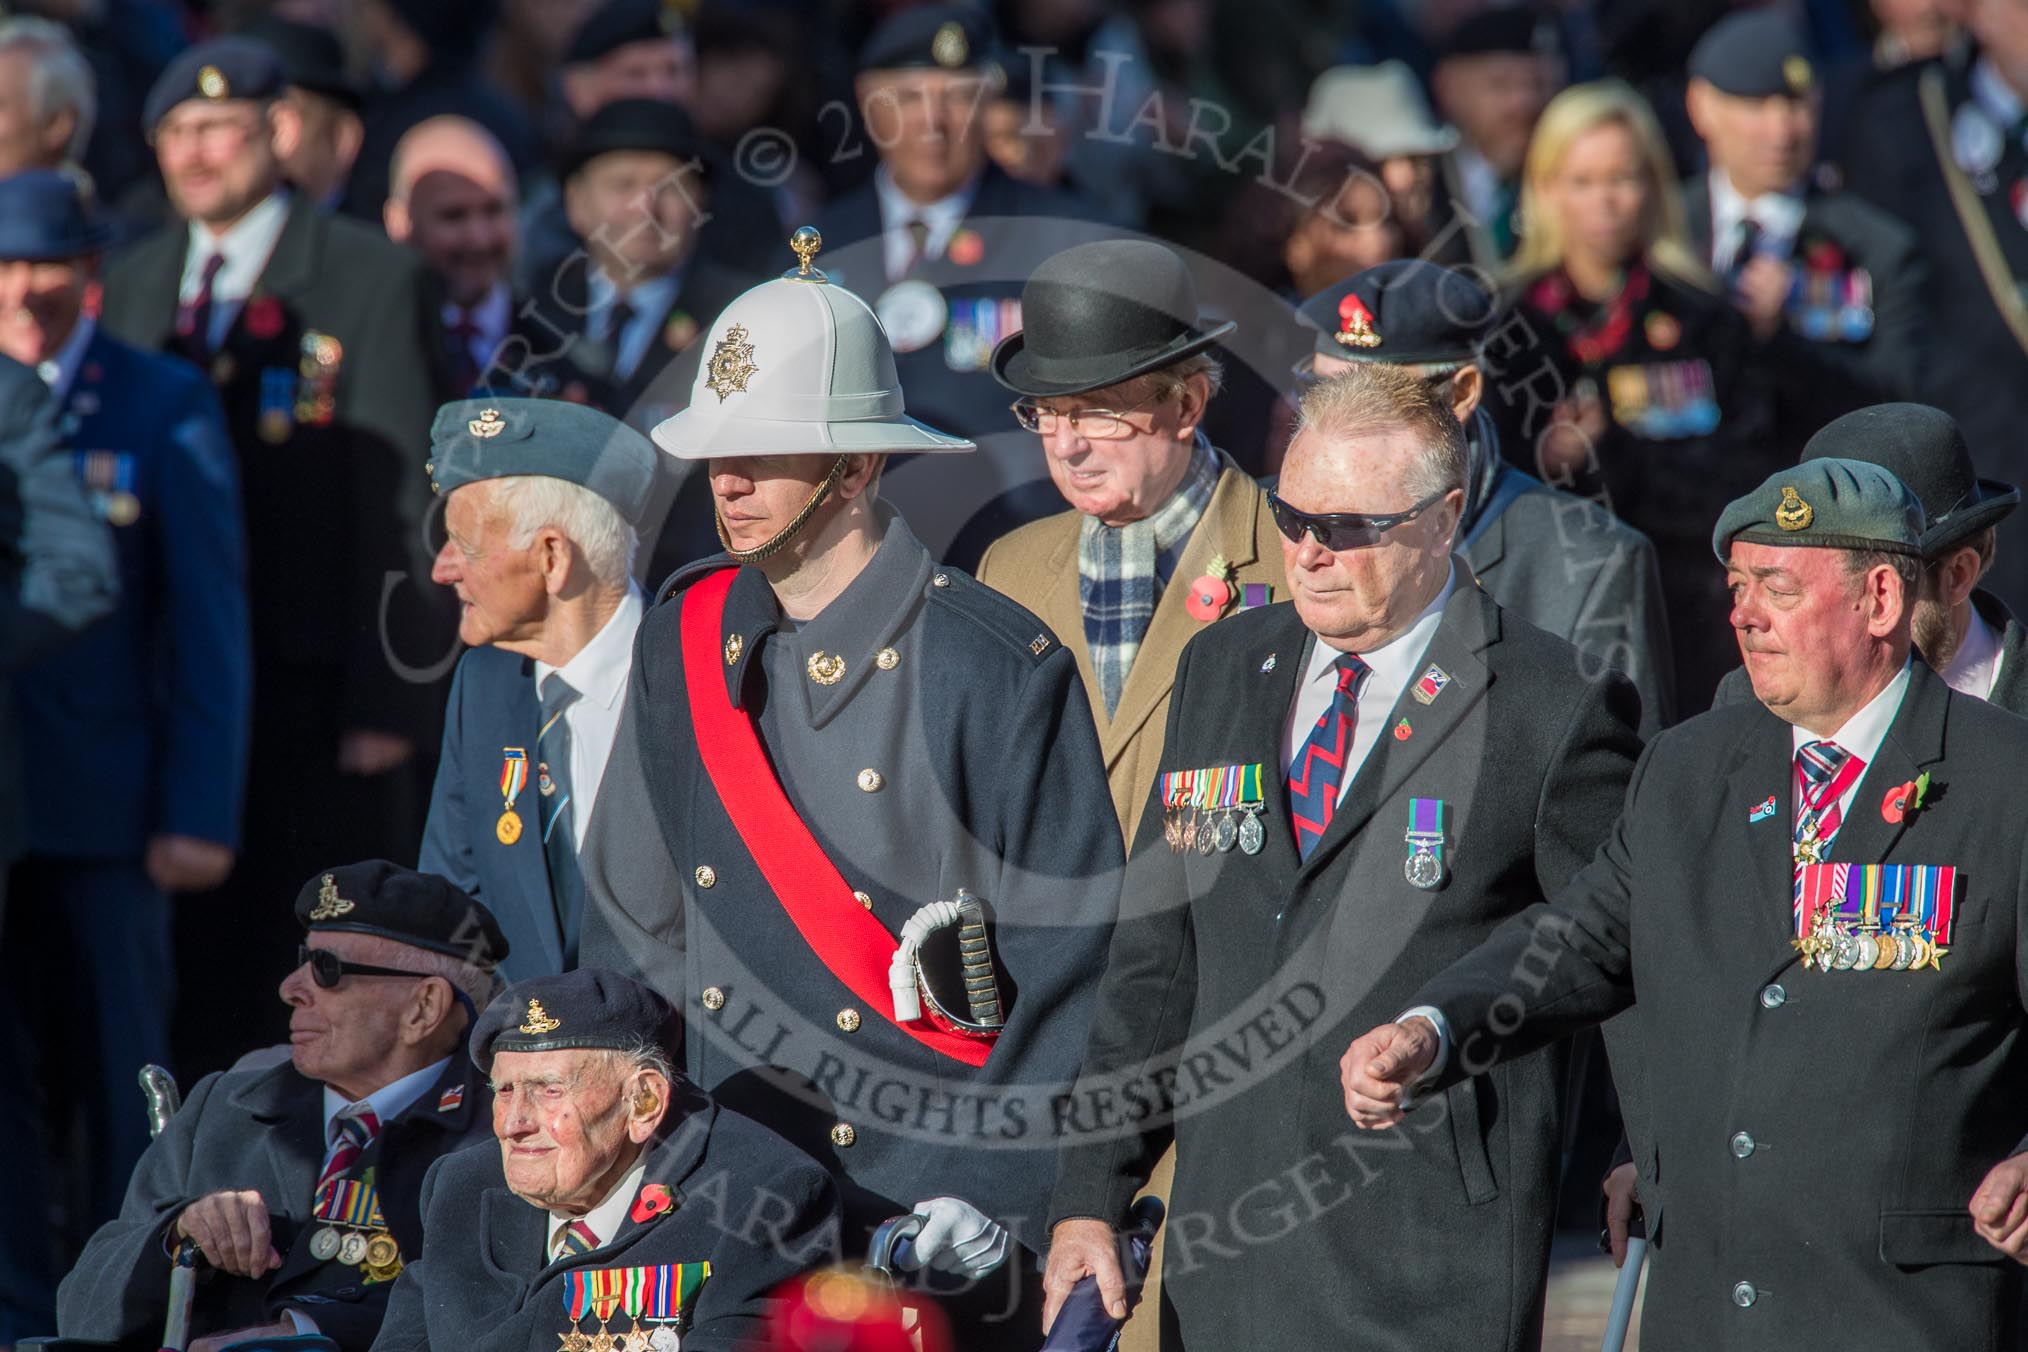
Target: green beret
x: 493, y: 438
x: 1829, y: 504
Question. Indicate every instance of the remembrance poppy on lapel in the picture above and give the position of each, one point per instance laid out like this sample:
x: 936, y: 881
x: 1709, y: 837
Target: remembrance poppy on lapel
x: 1903, y: 799
x: 264, y: 317
x: 652, y: 1202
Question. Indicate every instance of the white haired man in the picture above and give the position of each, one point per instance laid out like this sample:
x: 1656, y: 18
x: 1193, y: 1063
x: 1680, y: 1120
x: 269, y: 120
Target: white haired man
x: 542, y: 504
x: 48, y: 98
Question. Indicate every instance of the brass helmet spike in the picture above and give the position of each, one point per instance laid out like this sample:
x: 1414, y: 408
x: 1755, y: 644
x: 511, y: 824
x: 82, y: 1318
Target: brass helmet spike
x: 804, y: 244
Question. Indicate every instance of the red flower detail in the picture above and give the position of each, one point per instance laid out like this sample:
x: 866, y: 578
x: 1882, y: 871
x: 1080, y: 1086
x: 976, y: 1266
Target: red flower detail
x: 1897, y: 803
x: 653, y: 1201
x: 1825, y: 256
x: 264, y: 317
x: 1208, y: 598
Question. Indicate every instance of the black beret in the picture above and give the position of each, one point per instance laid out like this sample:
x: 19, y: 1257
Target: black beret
x: 1828, y: 504
x: 937, y: 37
x: 588, y: 1008
x: 1516, y: 31
x: 1414, y: 312
x: 1753, y: 55
x: 422, y: 910
x: 620, y: 22
x: 311, y: 57
x: 636, y: 124
x: 489, y: 438
x: 221, y: 69
x: 1922, y: 447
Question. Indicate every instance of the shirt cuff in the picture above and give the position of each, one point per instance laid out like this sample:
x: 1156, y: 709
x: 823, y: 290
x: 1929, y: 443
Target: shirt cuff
x: 1443, y: 1055
x: 304, y: 1324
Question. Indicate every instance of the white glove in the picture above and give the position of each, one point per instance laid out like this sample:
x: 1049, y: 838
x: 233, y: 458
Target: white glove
x: 958, y: 1237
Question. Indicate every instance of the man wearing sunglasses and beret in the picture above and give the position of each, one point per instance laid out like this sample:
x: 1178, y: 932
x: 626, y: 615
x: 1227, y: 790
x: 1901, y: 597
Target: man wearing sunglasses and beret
x: 1354, y: 789
x: 296, y: 1182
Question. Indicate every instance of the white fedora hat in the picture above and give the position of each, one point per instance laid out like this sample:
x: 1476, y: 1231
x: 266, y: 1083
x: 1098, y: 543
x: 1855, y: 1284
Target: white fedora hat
x: 1378, y: 109
x: 797, y: 366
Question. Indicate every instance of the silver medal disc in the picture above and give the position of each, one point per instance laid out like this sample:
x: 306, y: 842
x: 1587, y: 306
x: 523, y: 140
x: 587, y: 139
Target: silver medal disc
x: 664, y: 1338
x: 1869, y: 953
x: 1423, y: 869
x: 1976, y: 141
x: 1904, y: 951
x: 913, y: 313
x: 352, y: 1249
x: 1206, y: 836
x: 324, y: 1245
x: 1251, y: 836
x: 1228, y: 833
x: 1845, y: 953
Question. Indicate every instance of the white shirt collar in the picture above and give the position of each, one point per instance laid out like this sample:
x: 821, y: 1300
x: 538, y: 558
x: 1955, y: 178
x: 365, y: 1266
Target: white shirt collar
x: 245, y: 245
x: 389, y: 1101
x: 1394, y: 661
x: 60, y: 370
x: 599, y: 670
x: 1780, y: 213
x: 604, y: 1219
x: 1976, y: 665
x: 1864, y: 731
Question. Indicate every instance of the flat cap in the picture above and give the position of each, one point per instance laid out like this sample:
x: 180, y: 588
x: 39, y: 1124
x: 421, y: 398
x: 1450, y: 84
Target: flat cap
x: 312, y: 58
x: 621, y: 23
x: 1406, y: 312
x: 221, y: 69
x: 422, y: 910
x: 475, y: 439
x: 1922, y: 447
x: 589, y: 1008
x: 45, y: 217
x: 1519, y: 30
x: 1827, y: 503
x: 1754, y: 54
x: 935, y: 37
x: 636, y: 124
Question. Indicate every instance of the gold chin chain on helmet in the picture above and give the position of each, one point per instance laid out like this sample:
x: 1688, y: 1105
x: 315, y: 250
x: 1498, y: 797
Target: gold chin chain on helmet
x: 786, y: 533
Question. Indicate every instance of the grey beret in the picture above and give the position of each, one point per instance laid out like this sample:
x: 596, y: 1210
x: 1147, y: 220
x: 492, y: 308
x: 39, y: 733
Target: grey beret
x: 493, y: 438
x: 1829, y: 504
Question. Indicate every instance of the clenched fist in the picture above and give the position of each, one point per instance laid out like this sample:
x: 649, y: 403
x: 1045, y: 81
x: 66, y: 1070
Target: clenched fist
x: 231, y: 1228
x: 2000, y: 1208
x: 1378, y: 1068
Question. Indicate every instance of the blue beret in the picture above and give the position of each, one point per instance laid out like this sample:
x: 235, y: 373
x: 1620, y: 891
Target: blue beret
x: 418, y: 909
x: 1753, y: 55
x: 221, y: 69
x: 1828, y: 504
x: 44, y: 217
x: 1416, y: 312
x: 620, y: 23
x: 475, y: 439
x: 589, y: 1009
x: 937, y: 37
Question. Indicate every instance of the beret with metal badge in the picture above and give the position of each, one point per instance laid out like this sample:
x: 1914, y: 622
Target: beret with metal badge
x: 221, y: 69
x: 1754, y: 54
x: 1407, y: 312
x: 421, y: 910
x: 932, y: 37
x: 1826, y: 503
x: 587, y: 1009
x: 491, y: 438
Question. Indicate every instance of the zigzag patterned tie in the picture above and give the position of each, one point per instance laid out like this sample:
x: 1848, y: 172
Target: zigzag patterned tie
x: 574, y: 1239
x: 1821, y: 766
x: 350, y: 1130
x: 1319, y: 764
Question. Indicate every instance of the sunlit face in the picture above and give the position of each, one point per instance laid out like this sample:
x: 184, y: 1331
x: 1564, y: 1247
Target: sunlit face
x: 502, y: 594
x: 1763, y: 145
x: 929, y: 127
x: 639, y: 209
x: 464, y: 229
x: 1126, y: 478
x: 1598, y: 193
x: 26, y: 141
x: 347, y: 1036
x: 218, y: 159
x: 757, y: 496
x: 39, y: 306
x: 1805, y: 623
x: 562, y: 1120
x: 1358, y: 599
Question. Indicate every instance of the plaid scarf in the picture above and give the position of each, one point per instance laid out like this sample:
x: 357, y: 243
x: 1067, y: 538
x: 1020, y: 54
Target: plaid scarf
x: 1121, y: 571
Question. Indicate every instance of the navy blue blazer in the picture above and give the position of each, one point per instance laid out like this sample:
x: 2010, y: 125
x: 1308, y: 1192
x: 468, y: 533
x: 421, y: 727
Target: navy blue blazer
x: 139, y: 728
x: 493, y: 707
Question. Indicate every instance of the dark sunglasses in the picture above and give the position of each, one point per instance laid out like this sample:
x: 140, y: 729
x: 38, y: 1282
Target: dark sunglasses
x: 1343, y: 530
x: 327, y: 969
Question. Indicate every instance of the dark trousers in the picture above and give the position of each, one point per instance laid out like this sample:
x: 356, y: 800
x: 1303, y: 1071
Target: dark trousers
x: 85, y: 990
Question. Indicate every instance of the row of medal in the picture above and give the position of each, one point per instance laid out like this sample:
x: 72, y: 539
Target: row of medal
x: 354, y: 1231
x: 661, y: 1293
x: 1213, y: 809
x: 1664, y: 401
x: 109, y: 478
x: 1832, y: 305
x: 1875, y: 917
x: 306, y: 396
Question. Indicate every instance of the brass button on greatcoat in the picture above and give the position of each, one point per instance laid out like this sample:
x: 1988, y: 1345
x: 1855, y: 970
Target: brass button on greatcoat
x: 714, y: 999
x: 848, y: 1020
x: 870, y: 780
x: 843, y: 1135
x: 707, y: 876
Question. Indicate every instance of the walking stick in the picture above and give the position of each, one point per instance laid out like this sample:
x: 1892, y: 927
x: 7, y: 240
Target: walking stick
x: 158, y: 1087
x: 1622, y: 1315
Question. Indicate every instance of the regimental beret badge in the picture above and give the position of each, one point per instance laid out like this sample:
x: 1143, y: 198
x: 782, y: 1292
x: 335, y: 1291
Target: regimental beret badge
x: 489, y: 423
x: 1796, y: 73
x: 212, y: 84
x: 329, y: 904
x: 1355, y: 324
x: 949, y: 47
x: 539, y: 1020
x: 1794, y: 513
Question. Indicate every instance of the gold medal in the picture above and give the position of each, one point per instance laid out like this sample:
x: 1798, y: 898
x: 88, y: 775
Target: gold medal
x: 508, y: 828
x: 122, y: 508
x: 381, y: 1250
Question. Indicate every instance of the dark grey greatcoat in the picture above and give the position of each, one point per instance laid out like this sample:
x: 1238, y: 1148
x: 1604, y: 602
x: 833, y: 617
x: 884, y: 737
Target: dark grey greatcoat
x: 1808, y: 1142
x: 1236, y: 981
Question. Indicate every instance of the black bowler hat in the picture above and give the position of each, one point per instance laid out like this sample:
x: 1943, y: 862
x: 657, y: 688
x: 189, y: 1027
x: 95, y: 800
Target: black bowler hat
x: 45, y: 218
x: 1922, y: 447
x: 1753, y: 55
x: 422, y: 910
x: 1407, y: 312
x: 1098, y: 314
x: 620, y: 23
x: 932, y: 37
x: 311, y: 57
x: 223, y: 68
x: 637, y: 124
x: 586, y: 1009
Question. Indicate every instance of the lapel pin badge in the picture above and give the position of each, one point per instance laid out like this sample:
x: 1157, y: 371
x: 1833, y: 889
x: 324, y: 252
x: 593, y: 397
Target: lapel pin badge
x: 1431, y: 685
x: 1268, y: 665
x: 1762, y: 811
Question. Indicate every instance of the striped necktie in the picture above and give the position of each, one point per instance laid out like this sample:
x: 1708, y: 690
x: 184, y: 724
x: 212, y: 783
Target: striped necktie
x: 574, y: 1239
x: 351, y: 1131
x: 1318, y: 766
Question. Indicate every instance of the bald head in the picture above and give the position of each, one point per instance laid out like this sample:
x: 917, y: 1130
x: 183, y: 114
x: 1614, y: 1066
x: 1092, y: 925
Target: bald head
x: 452, y: 197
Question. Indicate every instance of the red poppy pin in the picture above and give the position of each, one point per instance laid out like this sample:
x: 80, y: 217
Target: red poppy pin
x: 1903, y: 799
x: 1824, y: 256
x: 264, y: 317
x: 1212, y: 593
x: 652, y: 1202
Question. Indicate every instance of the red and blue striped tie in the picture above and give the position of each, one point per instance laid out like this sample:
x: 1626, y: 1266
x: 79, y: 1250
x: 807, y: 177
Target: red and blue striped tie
x: 350, y: 1132
x: 1319, y: 764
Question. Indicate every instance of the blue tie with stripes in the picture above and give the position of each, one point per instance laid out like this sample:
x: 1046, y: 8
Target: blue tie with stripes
x: 559, y: 836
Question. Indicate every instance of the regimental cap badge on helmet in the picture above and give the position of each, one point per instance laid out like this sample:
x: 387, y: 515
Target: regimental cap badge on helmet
x: 731, y: 364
